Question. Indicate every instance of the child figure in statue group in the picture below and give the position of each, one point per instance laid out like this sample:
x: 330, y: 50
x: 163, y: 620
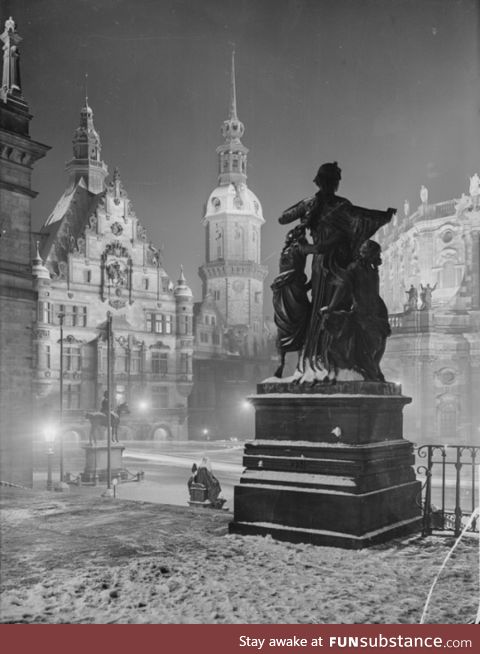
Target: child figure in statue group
x: 357, y: 337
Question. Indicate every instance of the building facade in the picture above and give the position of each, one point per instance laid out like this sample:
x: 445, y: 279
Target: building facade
x: 430, y: 281
x: 94, y: 257
x: 231, y: 344
x: 18, y: 154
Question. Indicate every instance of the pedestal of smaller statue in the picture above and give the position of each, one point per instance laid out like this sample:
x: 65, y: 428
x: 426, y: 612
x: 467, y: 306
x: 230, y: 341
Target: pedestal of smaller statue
x: 96, y: 462
x: 329, y: 466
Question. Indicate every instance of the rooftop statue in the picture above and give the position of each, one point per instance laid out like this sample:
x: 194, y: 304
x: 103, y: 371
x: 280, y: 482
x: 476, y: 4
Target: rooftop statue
x: 338, y: 230
x: 474, y: 185
x: 424, y: 194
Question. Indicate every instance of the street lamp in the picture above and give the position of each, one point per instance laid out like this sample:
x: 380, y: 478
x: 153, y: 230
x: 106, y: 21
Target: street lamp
x: 49, y: 434
x: 205, y: 433
x: 61, y: 316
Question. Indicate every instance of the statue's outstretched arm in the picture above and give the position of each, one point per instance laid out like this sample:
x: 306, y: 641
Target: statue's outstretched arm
x: 296, y: 212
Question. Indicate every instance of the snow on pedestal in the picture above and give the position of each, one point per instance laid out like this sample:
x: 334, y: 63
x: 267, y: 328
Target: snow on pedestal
x: 329, y: 465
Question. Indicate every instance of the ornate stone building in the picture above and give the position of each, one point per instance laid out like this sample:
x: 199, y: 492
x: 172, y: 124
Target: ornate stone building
x: 95, y: 257
x: 231, y: 345
x: 18, y: 153
x: 431, y: 283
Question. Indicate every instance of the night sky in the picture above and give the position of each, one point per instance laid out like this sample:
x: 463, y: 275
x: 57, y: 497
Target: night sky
x: 388, y: 88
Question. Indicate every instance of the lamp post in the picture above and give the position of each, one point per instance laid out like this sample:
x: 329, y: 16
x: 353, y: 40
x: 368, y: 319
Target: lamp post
x: 205, y: 434
x: 61, y: 317
x: 49, y: 438
x: 109, y: 397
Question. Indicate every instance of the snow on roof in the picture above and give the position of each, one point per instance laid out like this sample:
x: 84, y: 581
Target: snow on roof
x: 61, y: 207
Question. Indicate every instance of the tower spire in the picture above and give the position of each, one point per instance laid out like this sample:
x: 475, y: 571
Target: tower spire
x: 233, y: 90
x: 86, y: 89
x: 87, y: 148
x: 232, y: 154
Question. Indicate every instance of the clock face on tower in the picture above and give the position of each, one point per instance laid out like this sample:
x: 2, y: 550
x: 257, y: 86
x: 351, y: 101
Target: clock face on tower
x: 238, y: 285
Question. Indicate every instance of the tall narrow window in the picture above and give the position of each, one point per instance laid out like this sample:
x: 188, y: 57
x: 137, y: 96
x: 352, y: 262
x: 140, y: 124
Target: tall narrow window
x: 72, y: 359
x: 72, y: 396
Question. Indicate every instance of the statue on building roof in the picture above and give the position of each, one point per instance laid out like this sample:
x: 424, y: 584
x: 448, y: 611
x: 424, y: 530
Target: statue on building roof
x: 475, y: 189
x: 424, y: 194
x: 10, y: 25
x: 11, y: 59
x: 412, y: 299
x: 406, y: 208
x: 338, y: 229
x: 426, y: 296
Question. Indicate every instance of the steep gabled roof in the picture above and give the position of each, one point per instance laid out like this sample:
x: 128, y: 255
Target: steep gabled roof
x: 67, y: 222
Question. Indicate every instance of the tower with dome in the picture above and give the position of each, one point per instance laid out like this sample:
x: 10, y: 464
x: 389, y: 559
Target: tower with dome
x: 232, y: 274
x: 231, y: 342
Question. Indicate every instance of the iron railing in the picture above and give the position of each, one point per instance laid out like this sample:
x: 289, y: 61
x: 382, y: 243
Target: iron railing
x: 450, y: 490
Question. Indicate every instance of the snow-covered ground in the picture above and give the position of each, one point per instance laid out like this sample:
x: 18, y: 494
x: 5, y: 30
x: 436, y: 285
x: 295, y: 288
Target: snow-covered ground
x: 83, y: 559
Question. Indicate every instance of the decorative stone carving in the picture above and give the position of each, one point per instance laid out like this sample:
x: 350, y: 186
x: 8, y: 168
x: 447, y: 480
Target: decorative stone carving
x: 41, y: 334
x: 116, y: 228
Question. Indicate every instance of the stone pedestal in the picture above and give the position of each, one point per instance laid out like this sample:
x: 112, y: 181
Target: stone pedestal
x: 328, y: 466
x: 96, y: 462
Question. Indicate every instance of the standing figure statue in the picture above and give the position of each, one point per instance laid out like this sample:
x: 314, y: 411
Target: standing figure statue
x: 426, y: 296
x: 337, y: 229
x: 424, y: 194
x: 412, y: 299
x: 358, y: 337
x: 290, y: 300
x: 474, y: 189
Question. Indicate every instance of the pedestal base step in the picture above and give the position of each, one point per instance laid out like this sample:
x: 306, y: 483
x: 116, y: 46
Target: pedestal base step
x: 326, y: 538
x: 92, y: 476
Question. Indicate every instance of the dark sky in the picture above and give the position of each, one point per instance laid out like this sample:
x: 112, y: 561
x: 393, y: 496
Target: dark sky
x: 388, y: 88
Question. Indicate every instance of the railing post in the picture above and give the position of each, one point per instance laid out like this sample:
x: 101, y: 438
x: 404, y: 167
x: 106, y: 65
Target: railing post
x: 474, y: 494
x: 444, y: 457
x: 458, y: 509
x: 427, y: 509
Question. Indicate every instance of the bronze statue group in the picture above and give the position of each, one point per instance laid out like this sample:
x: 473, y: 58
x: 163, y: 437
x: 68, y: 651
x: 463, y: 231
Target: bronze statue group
x: 336, y: 321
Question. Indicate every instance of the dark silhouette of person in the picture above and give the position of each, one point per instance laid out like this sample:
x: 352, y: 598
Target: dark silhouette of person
x: 104, y: 405
x: 205, y: 476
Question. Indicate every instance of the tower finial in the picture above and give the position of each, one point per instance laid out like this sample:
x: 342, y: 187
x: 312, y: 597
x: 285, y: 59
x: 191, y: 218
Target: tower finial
x: 86, y: 89
x: 233, y: 90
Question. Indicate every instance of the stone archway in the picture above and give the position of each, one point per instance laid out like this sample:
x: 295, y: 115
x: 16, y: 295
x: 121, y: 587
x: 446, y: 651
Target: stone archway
x: 161, y: 433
